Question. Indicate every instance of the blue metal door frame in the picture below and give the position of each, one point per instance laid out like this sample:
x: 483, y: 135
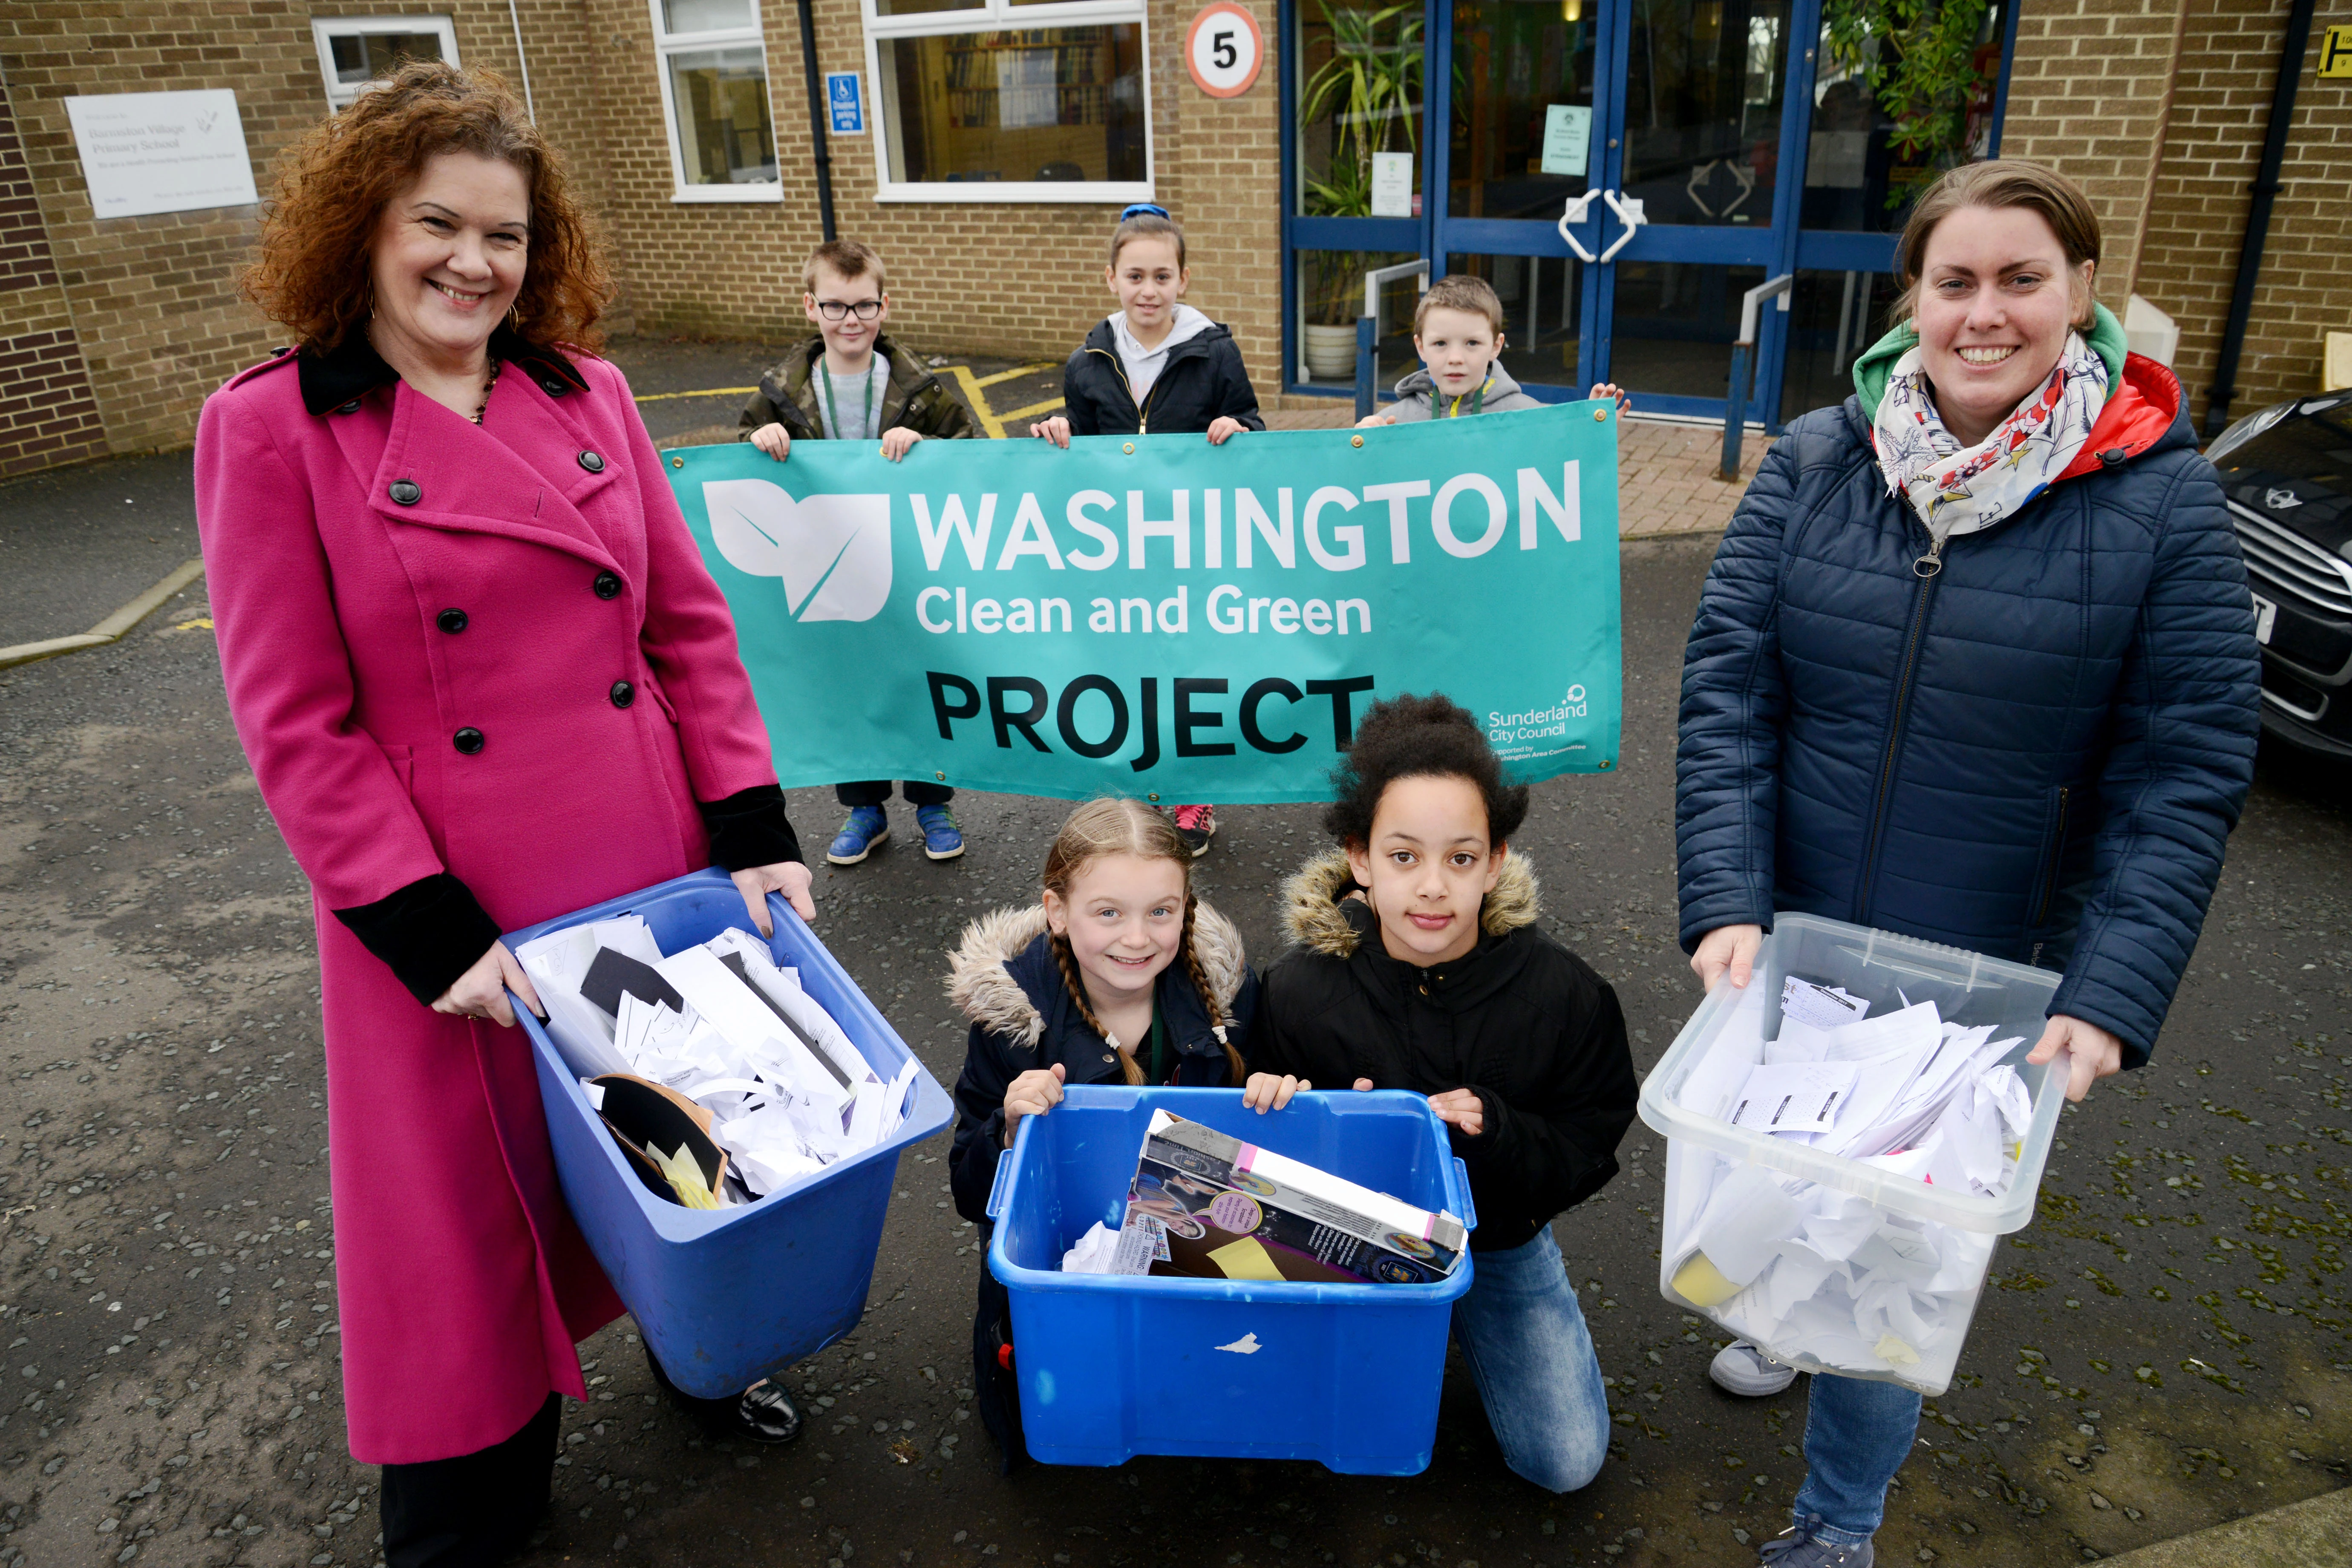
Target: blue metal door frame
x: 1437, y: 233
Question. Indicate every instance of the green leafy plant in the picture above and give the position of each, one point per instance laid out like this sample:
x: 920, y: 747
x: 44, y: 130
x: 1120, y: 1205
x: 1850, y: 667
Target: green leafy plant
x: 1370, y: 91
x: 1918, y: 58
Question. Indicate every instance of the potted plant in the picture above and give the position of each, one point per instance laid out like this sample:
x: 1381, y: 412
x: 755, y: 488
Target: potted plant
x: 1369, y: 90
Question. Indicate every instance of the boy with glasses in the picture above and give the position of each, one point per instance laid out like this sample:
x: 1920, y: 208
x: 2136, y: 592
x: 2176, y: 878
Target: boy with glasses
x: 849, y: 382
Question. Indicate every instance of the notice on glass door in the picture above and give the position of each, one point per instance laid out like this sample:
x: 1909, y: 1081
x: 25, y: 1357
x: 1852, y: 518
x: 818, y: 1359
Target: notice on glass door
x: 1568, y: 138
x: 1392, y: 185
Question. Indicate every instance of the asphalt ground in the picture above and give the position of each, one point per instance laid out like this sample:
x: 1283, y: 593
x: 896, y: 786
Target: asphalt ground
x: 2165, y: 1348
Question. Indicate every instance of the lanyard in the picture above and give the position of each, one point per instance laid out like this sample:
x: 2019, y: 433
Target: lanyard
x: 1477, y: 400
x: 873, y: 368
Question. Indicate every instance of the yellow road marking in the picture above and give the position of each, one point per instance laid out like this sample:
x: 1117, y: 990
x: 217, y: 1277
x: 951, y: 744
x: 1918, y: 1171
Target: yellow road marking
x: 201, y: 623
x: 713, y: 391
x: 972, y: 385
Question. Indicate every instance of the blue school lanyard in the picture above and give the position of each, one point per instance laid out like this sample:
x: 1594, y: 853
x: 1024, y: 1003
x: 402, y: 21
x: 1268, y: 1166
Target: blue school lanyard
x: 872, y: 367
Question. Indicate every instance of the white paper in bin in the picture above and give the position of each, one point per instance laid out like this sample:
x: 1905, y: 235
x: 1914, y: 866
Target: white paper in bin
x: 1962, y: 1228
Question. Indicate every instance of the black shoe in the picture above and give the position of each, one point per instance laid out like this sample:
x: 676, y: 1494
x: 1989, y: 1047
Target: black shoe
x: 762, y: 1413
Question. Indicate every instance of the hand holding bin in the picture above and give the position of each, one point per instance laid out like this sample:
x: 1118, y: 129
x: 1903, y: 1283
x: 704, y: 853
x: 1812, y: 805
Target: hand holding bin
x: 725, y: 1296
x: 1110, y: 1366
x: 1850, y: 1266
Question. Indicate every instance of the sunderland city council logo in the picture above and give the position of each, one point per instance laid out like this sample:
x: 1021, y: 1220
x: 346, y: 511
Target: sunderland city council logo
x: 831, y: 551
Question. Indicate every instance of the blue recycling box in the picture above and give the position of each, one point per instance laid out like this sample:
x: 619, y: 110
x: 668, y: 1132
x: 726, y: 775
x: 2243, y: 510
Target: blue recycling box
x: 1111, y: 1366
x: 726, y: 1297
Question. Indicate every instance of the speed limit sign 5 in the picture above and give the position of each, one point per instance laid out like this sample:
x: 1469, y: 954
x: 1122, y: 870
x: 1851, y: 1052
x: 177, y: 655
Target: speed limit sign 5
x: 1223, y: 50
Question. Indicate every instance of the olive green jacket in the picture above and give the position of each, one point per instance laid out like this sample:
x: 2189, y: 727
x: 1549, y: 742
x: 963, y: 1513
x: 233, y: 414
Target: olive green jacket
x: 915, y: 398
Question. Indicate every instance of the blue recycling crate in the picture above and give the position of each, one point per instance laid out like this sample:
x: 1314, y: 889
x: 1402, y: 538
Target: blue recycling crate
x: 1111, y: 1366
x: 726, y: 1297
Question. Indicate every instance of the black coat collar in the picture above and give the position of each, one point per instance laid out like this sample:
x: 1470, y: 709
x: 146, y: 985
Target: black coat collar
x: 339, y: 378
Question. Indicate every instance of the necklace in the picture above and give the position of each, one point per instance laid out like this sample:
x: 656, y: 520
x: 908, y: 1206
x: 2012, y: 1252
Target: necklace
x: 487, y: 386
x: 825, y: 371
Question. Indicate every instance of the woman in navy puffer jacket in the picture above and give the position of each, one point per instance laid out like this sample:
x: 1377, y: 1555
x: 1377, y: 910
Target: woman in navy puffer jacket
x: 1976, y: 663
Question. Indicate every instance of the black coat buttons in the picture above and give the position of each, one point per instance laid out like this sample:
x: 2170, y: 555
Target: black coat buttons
x: 451, y: 621
x: 467, y: 739
x: 408, y: 492
x: 608, y: 585
x: 623, y: 694
x: 592, y: 461
x: 351, y: 408
x: 2113, y: 456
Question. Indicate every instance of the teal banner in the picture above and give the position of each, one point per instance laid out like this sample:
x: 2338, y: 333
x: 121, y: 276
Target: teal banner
x: 1153, y: 615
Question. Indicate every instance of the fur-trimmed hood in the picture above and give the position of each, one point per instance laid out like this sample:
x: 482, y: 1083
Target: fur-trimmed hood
x: 1312, y: 915
x: 982, y: 983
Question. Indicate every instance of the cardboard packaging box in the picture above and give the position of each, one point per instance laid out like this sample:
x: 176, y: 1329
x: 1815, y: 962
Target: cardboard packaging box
x: 1214, y: 1207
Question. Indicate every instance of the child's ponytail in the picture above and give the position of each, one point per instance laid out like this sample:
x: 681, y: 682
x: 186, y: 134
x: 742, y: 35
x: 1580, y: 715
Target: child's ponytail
x: 1191, y: 960
x: 1075, y: 985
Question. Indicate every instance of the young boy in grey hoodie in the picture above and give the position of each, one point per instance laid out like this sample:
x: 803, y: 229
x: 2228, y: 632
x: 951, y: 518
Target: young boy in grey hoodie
x: 1458, y: 331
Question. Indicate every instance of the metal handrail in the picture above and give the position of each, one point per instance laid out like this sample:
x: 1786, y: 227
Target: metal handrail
x: 1743, y: 353
x: 1368, y: 329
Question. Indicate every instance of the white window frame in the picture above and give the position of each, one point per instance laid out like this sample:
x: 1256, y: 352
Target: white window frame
x: 666, y: 44
x: 1000, y: 16
x: 323, y: 28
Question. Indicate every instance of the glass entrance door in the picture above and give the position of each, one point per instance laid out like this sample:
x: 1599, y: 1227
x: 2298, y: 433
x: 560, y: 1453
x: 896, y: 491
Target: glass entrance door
x: 1613, y: 170
x: 1622, y: 172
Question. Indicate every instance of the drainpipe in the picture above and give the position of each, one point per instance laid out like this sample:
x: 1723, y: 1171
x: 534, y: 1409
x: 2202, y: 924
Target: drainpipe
x: 817, y: 108
x: 523, y: 61
x: 2258, y: 217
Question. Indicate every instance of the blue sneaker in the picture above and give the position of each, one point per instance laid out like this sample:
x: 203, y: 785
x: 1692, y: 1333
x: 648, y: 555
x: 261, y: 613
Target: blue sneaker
x: 860, y: 836
x: 942, y: 840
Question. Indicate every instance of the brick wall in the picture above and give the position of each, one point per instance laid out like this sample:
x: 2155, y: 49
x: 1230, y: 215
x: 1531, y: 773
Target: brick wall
x: 153, y: 300
x: 2088, y: 96
x: 1015, y: 279
x: 2228, y: 66
x: 47, y: 414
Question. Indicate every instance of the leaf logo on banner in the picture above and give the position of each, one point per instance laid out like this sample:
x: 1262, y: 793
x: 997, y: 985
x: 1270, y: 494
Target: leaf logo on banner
x: 831, y: 551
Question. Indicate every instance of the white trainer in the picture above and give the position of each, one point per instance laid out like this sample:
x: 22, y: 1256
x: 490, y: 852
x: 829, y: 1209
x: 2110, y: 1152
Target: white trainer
x: 1740, y: 1368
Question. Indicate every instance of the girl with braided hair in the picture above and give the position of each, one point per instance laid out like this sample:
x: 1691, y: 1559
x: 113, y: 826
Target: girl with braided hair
x: 1119, y: 974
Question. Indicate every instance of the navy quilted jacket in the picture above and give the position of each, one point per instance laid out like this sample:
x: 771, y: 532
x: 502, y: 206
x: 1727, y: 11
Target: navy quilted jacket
x: 2036, y: 753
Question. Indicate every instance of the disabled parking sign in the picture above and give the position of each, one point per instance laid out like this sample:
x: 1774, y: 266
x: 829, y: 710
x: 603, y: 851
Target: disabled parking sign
x: 841, y: 96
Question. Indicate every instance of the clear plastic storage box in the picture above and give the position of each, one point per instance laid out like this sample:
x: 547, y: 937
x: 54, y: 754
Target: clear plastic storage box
x: 724, y: 1297
x: 1897, y: 1306
x: 1115, y: 1366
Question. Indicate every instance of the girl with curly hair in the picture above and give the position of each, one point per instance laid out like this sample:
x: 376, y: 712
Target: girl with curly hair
x: 483, y: 679
x: 1119, y: 974
x: 1420, y: 966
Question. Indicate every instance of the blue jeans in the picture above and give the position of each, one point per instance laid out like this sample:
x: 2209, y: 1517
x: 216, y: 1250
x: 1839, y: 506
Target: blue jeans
x: 1528, y: 1346
x: 1857, y: 1434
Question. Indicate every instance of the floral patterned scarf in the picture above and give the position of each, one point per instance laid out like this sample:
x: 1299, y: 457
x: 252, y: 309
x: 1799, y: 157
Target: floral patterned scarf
x: 1961, y: 489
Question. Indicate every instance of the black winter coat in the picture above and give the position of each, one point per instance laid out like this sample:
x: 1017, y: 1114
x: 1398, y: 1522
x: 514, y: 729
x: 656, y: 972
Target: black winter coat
x: 2036, y: 753
x: 1203, y: 382
x: 1520, y: 1020
x: 1004, y: 979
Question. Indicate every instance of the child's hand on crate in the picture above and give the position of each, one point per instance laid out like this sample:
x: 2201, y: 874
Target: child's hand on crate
x: 1461, y: 1107
x: 1033, y: 1094
x: 1265, y: 1092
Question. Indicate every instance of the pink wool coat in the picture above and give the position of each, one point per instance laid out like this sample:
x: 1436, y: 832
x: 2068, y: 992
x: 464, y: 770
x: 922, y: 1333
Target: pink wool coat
x: 462, y: 1280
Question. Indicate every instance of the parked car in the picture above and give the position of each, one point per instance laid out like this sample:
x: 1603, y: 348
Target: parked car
x: 2287, y: 472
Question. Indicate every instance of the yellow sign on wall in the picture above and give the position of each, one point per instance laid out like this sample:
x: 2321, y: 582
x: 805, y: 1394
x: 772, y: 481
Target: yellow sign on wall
x: 2336, y: 53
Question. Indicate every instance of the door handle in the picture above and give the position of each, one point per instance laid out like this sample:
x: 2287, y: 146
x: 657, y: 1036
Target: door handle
x: 1579, y: 210
x: 1629, y: 213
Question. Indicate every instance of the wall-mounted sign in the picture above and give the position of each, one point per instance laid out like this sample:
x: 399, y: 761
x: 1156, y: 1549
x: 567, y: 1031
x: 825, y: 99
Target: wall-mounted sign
x: 842, y: 98
x: 1223, y: 50
x: 2336, y: 52
x: 1392, y: 185
x: 161, y: 152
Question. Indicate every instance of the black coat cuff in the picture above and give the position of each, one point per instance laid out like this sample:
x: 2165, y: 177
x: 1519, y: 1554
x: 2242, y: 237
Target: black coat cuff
x: 429, y: 932
x: 749, y: 828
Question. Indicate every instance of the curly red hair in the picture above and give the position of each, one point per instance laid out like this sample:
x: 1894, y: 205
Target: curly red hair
x: 312, y: 275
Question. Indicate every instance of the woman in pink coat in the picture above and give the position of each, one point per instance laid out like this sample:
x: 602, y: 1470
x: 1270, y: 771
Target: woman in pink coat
x: 484, y: 679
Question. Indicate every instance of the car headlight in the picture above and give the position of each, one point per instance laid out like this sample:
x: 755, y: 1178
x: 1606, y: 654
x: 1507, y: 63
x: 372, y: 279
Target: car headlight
x: 2244, y: 430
